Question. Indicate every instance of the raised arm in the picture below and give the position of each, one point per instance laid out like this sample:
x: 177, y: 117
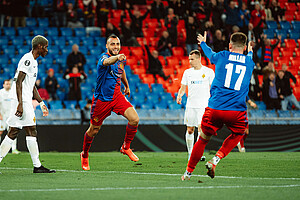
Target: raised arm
x: 113, y: 59
x: 206, y: 49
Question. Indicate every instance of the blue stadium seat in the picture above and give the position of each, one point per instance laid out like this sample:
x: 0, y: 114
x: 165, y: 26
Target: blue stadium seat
x: 296, y: 25
x: 261, y: 105
x: 79, y: 32
x: 61, y: 41
x: 90, y: 62
x: 70, y: 104
x: 3, y: 41
x: 281, y: 32
x: 66, y: 31
x: 56, y: 104
x: 43, y: 22
x: 296, y: 113
x: 15, y: 61
x: 270, y: 113
x: 53, y: 51
x: 10, y: 69
x: 17, y: 41
x: 94, y: 32
x: 285, y: 25
x: 24, y: 31
x: 95, y: 51
x: 134, y: 79
x: 52, y: 31
x: 142, y: 87
x: 161, y: 105
x: 165, y: 97
x: 154, y: 98
x: 31, y: 22
x: 73, y: 40
x: 9, y: 51
x: 38, y: 31
x: 294, y: 35
x: 147, y: 106
x: 55, y: 67
x: 61, y: 60
x: 87, y: 41
x: 65, y: 51
x: 101, y: 41
x: 23, y: 50
x: 269, y: 33
x: 256, y: 113
x: 157, y: 88
x: 271, y: 24
x: 284, y: 113
x: 4, y: 59
x: 9, y: 31
x: 174, y: 106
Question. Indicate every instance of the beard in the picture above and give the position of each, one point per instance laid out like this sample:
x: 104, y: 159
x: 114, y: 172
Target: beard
x: 111, y: 52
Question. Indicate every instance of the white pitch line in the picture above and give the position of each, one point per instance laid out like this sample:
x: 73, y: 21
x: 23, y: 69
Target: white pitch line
x: 156, y: 174
x: 149, y: 188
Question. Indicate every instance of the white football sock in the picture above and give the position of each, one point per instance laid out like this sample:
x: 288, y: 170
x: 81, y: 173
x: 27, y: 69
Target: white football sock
x: 33, y: 150
x: 189, y: 138
x: 5, y: 147
x: 14, y: 145
x: 215, y: 160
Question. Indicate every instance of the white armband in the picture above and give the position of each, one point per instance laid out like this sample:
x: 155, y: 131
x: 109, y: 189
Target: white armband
x: 42, y: 104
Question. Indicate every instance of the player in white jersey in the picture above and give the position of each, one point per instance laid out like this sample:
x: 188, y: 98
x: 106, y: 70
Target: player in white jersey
x: 22, y: 112
x: 198, y: 79
x: 4, y: 111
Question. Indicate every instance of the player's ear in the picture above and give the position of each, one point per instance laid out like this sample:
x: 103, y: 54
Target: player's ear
x: 245, y: 47
x: 230, y: 46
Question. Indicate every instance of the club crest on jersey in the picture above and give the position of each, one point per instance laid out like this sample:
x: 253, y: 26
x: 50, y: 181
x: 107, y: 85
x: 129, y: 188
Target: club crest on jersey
x: 203, y: 76
x: 34, y: 119
x: 121, y: 65
x: 96, y: 119
x: 27, y: 63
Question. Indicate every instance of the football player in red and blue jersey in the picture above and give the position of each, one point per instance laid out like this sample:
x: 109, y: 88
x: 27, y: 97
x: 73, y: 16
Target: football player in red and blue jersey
x: 108, y: 97
x: 227, y: 103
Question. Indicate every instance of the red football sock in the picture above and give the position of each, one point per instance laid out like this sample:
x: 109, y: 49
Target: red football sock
x: 197, y: 153
x: 130, y: 133
x: 229, y: 143
x: 86, y: 145
x: 242, y: 142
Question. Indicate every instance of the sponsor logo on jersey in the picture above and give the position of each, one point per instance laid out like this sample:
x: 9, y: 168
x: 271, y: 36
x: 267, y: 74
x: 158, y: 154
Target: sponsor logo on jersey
x: 27, y: 63
x: 96, y: 119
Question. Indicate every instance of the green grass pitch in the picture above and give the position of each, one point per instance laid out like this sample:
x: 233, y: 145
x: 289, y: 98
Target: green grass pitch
x: 273, y: 175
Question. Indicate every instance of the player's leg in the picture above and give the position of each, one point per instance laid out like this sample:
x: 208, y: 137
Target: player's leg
x: 7, y: 142
x: 189, y: 139
x: 241, y: 144
x: 236, y: 122
x: 14, y: 149
x: 208, y: 129
x: 32, y: 145
x: 133, y: 120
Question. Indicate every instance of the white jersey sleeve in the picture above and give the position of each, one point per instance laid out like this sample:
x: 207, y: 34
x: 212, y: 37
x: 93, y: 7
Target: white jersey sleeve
x: 184, y: 80
x: 24, y: 65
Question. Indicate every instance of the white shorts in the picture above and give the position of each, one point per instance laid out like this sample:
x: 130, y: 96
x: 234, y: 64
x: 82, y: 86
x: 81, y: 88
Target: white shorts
x: 193, y: 116
x: 3, y: 124
x: 27, y: 119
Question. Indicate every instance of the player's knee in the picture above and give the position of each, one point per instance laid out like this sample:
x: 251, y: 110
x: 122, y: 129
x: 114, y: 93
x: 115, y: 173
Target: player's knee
x: 190, y: 131
x: 12, y: 133
x: 134, y: 121
x: 32, y: 132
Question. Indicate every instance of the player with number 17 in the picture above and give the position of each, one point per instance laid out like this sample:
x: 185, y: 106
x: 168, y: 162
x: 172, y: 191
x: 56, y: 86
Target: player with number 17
x: 227, y: 102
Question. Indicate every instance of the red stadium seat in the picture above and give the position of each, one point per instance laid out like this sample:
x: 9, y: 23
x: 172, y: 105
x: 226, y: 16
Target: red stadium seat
x: 162, y: 60
x: 147, y: 78
x: 290, y: 43
x: 168, y: 71
x: 260, y: 79
x: 290, y: 7
x: 148, y: 32
x: 131, y: 61
x: 286, y: 52
x: 141, y: 40
x: 297, y: 15
x: 295, y: 62
x: 181, y: 24
x: 138, y: 70
x: 172, y: 61
x: 114, y: 21
x: 153, y: 41
x: 177, y: 51
x: 185, y: 62
x: 289, y: 17
x: 125, y: 50
x: 137, y: 51
x: 116, y: 14
x: 275, y: 53
x: 283, y: 60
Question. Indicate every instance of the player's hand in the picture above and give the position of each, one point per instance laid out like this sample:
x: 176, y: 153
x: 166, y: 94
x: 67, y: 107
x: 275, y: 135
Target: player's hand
x: 127, y: 91
x: 201, y: 38
x: 45, y: 111
x: 178, y: 100
x: 250, y: 46
x: 1, y: 118
x: 121, y: 57
x: 253, y: 105
x: 19, y: 111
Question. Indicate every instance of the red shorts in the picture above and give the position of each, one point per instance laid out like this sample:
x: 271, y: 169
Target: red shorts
x: 102, y: 109
x: 213, y: 120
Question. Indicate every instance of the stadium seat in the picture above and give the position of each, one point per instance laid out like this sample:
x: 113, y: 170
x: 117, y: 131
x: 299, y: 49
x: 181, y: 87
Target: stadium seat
x: 9, y: 51
x: 147, y: 78
x: 284, y: 113
x: 142, y: 87
x: 174, y: 106
x: 152, y: 41
x: 256, y: 113
x: 31, y: 22
x: 137, y: 52
x: 73, y: 40
x: 281, y: 32
x: 178, y: 51
x: 79, y: 32
x: 43, y: 22
x: 56, y: 104
x: 290, y: 7
x: 23, y: 31
x: 38, y: 31
x: 137, y: 70
x: 87, y: 41
x: 52, y: 31
x: 161, y: 105
x: 283, y: 60
x: 147, y: 106
x: 66, y: 31
x: 294, y: 35
x: 285, y: 25
x: 270, y: 114
x: 153, y: 98
x: 296, y: 25
x: 17, y: 41
x: 157, y: 88
x: 93, y: 31
x: 287, y: 52
x: 271, y: 24
x: 4, y: 41
x: 289, y: 17
x: 9, y: 31
x: 289, y: 43
x: 172, y: 61
x: 60, y: 41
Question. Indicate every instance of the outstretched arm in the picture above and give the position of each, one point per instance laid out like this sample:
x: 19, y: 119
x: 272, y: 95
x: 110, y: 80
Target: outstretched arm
x: 206, y: 49
x: 113, y: 59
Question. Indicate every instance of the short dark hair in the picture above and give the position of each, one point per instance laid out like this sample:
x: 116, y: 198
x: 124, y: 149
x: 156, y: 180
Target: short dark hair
x: 6, y: 80
x: 196, y: 52
x: 111, y: 36
x: 238, y: 39
x: 39, y: 39
x: 280, y: 71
